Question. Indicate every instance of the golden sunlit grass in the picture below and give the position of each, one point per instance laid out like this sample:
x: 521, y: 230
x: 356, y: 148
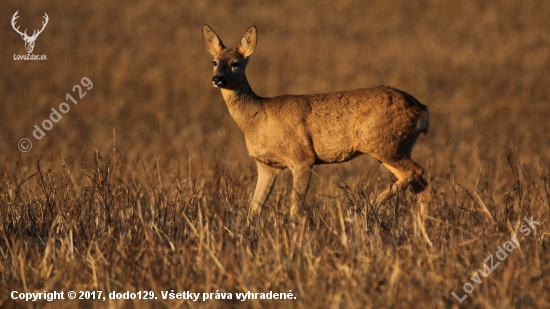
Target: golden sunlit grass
x: 144, y: 184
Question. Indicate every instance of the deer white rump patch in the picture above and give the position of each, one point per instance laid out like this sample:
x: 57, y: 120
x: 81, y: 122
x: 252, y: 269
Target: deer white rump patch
x: 423, y: 123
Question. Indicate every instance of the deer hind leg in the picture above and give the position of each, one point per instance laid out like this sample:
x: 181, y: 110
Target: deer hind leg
x: 408, y: 173
x: 266, y: 179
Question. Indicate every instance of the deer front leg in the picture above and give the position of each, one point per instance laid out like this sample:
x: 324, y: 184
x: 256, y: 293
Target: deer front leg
x: 301, y: 175
x: 266, y: 179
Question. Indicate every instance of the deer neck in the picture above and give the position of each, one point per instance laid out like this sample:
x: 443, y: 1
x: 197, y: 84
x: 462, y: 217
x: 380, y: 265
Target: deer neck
x: 243, y: 104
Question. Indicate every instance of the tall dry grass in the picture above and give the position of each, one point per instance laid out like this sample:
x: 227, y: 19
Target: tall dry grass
x: 144, y: 185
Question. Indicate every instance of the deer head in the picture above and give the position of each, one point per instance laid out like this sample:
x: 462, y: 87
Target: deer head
x: 229, y: 63
x: 29, y: 40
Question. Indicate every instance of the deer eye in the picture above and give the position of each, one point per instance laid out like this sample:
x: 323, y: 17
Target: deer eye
x: 234, y: 64
x: 215, y: 63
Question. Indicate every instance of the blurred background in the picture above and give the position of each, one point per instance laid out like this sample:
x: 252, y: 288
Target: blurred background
x: 481, y: 67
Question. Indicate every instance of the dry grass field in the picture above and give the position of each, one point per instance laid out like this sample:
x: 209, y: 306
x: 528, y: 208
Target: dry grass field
x: 144, y: 184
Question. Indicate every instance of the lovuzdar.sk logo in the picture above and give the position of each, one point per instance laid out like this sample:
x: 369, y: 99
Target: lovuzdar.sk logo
x: 29, y: 40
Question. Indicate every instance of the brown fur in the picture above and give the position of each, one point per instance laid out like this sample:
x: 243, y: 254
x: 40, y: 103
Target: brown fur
x: 299, y: 131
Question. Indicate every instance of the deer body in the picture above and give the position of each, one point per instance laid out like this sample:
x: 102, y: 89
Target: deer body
x: 299, y: 131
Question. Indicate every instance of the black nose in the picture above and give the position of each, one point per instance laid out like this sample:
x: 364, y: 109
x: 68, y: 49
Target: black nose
x: 218, y: 80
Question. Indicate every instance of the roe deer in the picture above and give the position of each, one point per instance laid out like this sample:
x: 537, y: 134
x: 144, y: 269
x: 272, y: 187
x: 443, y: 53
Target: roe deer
x: 299, y: 131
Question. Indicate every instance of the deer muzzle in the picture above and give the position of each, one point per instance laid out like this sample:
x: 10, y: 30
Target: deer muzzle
x: 219, y: 81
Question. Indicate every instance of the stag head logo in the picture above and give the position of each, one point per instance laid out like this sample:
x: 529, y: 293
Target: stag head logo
x: 29, y: 40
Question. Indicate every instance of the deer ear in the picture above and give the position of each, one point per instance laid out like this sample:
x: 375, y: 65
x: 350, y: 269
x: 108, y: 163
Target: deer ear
x: 248, y: 42
x: 211, y: 40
